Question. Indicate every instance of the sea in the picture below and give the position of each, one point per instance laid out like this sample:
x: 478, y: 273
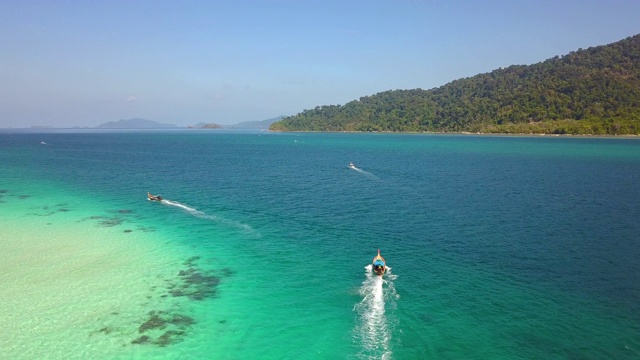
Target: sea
x: 497, y: 247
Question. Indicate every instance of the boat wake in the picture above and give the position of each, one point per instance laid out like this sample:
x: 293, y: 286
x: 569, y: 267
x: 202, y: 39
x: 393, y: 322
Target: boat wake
x: 375, y: 320
x: 202, y: 215
x: 366, y: 173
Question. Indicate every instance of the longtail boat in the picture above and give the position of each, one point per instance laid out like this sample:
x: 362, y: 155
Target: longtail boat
x: 379, y: 265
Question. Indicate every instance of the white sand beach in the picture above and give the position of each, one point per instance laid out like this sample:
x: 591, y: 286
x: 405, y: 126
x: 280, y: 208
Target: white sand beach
x: 73, y: 289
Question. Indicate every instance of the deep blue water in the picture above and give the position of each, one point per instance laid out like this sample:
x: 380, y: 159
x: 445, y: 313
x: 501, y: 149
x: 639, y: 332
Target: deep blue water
x: 500, y: 247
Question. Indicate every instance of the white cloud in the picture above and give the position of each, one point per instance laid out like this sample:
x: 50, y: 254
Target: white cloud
x: 131, y: 99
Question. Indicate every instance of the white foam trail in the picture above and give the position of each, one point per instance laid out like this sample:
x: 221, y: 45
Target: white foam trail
x: 184, y: 207
x: 375, y: 326
x: 364, y: 172
x: 203, y: 215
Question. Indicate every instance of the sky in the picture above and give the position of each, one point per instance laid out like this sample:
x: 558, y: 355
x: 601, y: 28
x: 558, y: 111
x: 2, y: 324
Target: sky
x: 84, y: 63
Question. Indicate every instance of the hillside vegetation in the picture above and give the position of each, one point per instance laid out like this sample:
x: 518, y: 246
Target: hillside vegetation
x: 589, y: 91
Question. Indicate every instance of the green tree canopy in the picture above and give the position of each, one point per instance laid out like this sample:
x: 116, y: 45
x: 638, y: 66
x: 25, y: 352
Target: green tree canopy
x: 589, y: 91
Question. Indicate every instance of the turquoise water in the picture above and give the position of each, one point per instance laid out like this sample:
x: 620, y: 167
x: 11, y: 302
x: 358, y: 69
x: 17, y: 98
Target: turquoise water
x: 499, y: 247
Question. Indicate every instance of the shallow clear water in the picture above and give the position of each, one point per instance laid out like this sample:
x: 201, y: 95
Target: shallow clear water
x: 499, y: 247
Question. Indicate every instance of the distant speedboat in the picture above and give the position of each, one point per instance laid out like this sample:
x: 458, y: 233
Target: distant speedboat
x: 351, y: 165
x: 379, y: 265
x: 154, y: 197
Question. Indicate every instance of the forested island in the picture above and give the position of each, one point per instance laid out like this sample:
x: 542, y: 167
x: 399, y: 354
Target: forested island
x: 592, y: 91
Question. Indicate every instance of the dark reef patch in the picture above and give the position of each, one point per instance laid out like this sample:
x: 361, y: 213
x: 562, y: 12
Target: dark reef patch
x: 227, y: 272
x: 24, y: 196
x: 169, y: 337
x: 105, y: 221
x: 110, y: 222
x: 195, y: 283
x: 46, y: 214
x: 144, y: 339
x: 182, y: 321
x: 105, y: 330
x: 128, y: 230
x: 154, y: 322
x: 172, y: 326
x: 190, y: 261
x: 113, y: 218
x: 166, y: 327
x: 50, y: 210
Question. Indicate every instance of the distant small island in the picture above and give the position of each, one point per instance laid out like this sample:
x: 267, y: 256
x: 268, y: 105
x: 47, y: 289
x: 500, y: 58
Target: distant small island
x: 262, y: 124
x: 206, y: 126
x: 138, y: 123
x: 135, y: 123
x: 142, y: 124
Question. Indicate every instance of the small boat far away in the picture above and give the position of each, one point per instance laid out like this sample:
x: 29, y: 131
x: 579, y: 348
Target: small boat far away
x: 154, y: 197
x: 379, y: 265
x: 351, y: 165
